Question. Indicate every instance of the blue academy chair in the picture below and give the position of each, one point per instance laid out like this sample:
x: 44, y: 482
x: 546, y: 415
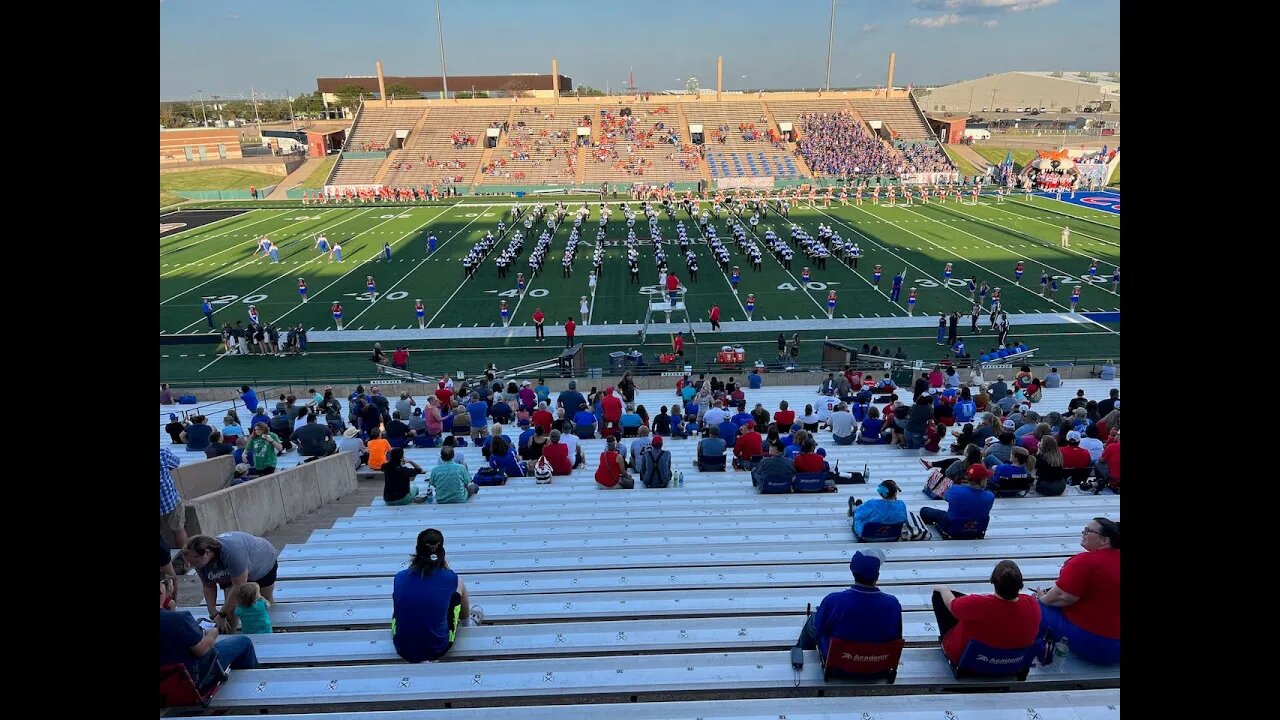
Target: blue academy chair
x: 982, y: 660
x: 957, y: 529
x: 426, y: 441
x: 775, y: 486
x: 398, y: 442
x: 711, y: 464
x: 862, y: 661
x: 728, y: 433
x: 809, y: 482
x: 880, y: 532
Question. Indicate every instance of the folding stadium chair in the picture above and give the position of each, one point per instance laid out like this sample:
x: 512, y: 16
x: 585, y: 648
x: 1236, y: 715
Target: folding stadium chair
x: 862, y: 661
x: 880, y: 532
x: 982, y: 660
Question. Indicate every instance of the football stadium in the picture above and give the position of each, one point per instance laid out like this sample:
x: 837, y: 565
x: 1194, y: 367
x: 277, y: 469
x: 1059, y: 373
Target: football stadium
x: 833, y: 373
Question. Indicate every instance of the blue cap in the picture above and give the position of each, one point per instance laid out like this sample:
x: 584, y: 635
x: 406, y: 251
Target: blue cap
x: 173, y: 416
x: 865, y: 565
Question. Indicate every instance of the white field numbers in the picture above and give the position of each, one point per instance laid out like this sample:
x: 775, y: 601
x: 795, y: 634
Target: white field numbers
x: 247, y: 299
x: 514, y: 292
x: 393, y: 295
x: 813, y: 285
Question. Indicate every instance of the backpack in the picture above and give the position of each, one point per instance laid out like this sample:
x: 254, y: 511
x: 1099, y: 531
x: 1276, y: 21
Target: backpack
x: 542, y: 471
x: 652, y: 477
x: 490, y: 475
x: 937, y: 484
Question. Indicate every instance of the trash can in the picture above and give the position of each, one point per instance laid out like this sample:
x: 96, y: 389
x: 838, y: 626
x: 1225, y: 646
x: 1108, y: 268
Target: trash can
x: 617, y: 360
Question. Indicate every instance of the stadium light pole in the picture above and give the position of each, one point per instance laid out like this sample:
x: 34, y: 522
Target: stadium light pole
x: 444, y: 71
x: 831, y: 34
x: 204, y: 118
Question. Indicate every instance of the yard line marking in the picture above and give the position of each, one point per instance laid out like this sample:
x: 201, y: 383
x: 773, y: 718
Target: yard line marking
x: 211, y: 362
x: 211, y: 225
x: 281, y: 276
x: 1077, y: 217
x: 240, y: 244
x: 414, y: 268
x: 1037, y: 241
x: 376, y: 255
x: 1060, y: 270
x: 236, y: 266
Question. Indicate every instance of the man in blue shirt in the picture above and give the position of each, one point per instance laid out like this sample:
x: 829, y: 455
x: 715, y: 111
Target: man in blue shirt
x: 571, y: 399
x: 755, y: 380
x: 249, y: 397
x: 183, y: 641
x: 860, y: 614
x: 479, y: 411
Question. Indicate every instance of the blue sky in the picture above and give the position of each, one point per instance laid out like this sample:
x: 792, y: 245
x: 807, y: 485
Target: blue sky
x: 225, y: 47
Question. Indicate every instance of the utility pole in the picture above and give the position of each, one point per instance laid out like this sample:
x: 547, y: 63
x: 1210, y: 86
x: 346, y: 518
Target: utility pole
x: 292, y: 120
x: 444, y: 71
x: 831, y: 34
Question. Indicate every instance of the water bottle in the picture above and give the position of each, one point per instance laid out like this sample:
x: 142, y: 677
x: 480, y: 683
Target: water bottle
x: 431, y: 495
x: 1060, y: 652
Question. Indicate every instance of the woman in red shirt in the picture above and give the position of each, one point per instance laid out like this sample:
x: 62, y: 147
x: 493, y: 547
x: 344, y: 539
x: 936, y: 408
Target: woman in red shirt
x: 1083, y: 606
x: 557, y: 453
x: 784, y: 417
x: 612, y: 472
x: 809, y: 461
x: 1007, y: 620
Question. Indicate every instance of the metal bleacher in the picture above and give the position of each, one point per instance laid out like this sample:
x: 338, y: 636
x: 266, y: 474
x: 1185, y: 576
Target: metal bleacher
x: 665, y: 598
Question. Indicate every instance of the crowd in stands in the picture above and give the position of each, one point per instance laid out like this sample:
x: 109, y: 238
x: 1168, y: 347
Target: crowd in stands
x: 1003, y: 447
x: 838, y: 144
x: 923, y: 157
x: 462, y: 139
x: 371, y: 146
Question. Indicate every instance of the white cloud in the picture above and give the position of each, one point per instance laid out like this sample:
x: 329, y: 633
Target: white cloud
x: 233, y: 17
x: 974, y: 7
x: 938, y: 22
x: 990, y: 23
x: 870, y: 28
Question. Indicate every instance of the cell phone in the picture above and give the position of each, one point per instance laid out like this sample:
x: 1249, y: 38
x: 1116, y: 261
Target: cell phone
x: 797, y: 658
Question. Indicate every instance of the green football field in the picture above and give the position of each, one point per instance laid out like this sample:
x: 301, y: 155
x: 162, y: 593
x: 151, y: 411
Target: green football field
x: 217, y: 261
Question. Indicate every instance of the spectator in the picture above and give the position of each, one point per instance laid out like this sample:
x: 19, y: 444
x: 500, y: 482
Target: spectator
x: 712, y: 447
x: 201, y: 651
x: 166, y: 395
x: 1048, y: 465
x: 860, y: 614
x: 841, y: 422
x: 571, y: 399
x: 417, y: 424
x: 196, y: 435
x: 968, y: 500
x: 1016, y: 473
x: 807, y: 460
x: 1074, y: 457
x: 612, y: 412
x: 542, y: 417
x: 612, y: 471
x: 637, y: 446
x: 1106, y: 406
x: 584, y: 422
x: 397, y: 474
x: 1007, y: 620
x: 631, y: 422
x: 784, y: 417
x: 175, y: 428
x: 251, y: 610
x: 1001, y: 451
x: 231, y: 429
x: 1091, y: 443
x: 478, y: 412
x: 655, y: 465
x: 503, y: 457
x: 774, y: 469
x: 452, y: 481
x: 314, y: 440
x: 872, y: 428
x: 351, y: 442
x: 263, y: 447
x: 886, y: 510
x: 405, y: 405
x: 1053, y: 379
x: 427, y: 600
x: 1108, y: 465
x: 249, y: 398
x: 918, y: 418
x: 282, y: 427
x: 1083, y: 606
x: 173, y: 513
x: 748, y: 446
x: 662, y: 422
x: 557, y: 453
x: 379, y: 447
x: 229, y: 561
x: 217, y: 448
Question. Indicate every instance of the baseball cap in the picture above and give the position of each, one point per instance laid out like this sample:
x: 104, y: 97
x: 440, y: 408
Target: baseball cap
x: 977, y: 471
x: 173, y: 416
x: 751, y: 423
x: 865, y: 565
x: 1073, y: 435
x: 657, y: 441
x: 526, y: 383
x: 1008, y: 423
